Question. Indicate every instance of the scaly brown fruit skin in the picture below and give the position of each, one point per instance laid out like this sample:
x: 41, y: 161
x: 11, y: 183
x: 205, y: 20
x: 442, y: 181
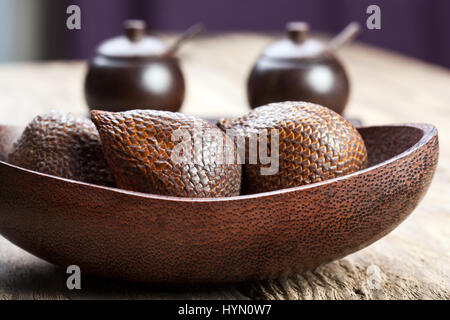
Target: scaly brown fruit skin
x: 139, y: 145
x: 315, y: 144
x: 63, y: 145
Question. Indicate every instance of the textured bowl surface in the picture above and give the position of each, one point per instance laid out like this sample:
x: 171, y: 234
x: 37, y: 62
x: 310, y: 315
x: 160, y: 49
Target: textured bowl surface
x: 149, y: 238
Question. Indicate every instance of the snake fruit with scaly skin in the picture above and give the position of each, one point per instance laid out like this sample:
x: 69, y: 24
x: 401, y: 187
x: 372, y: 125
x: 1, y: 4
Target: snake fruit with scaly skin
x: 63, y: 145
x: 139, y: 145
x: 315, y: 144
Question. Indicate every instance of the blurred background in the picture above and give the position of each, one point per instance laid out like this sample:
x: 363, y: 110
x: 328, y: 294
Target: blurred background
x: 35, y: 30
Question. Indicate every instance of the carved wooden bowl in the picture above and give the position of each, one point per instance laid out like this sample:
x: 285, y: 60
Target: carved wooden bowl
x: 144, y: 237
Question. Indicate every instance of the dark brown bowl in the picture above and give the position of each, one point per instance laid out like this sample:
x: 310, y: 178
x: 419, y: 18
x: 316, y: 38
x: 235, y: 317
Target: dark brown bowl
x: 144, y: 237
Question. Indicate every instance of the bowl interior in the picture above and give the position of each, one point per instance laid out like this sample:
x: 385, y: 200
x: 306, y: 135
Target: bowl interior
x: 382, y: 143
x: 386, y: 142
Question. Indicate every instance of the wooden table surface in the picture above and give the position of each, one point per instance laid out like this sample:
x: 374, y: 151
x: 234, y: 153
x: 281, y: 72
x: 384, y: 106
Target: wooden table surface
x: 412, y: 262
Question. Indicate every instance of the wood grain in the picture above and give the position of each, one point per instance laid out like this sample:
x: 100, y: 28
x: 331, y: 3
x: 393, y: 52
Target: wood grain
x: 413, y: 262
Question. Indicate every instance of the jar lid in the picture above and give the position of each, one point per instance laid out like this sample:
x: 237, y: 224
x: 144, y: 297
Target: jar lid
x: 297, y: 44
x: 133, y: 44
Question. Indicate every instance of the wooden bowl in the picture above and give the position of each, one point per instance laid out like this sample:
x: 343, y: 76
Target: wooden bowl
x: 150, y: 238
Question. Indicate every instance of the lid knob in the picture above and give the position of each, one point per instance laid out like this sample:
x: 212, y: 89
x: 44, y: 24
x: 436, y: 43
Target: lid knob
x: 297, y: 31
x: 135, y: 29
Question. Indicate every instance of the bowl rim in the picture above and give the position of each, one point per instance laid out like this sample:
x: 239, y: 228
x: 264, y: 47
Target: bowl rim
x: 428, y: 131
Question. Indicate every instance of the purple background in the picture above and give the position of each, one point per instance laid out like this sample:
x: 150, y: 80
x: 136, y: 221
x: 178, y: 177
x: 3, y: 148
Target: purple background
x: 419, y: 28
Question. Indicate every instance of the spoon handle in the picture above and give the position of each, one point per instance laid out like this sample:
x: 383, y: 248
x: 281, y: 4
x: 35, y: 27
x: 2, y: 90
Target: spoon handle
x: 187, y: 35
x: 345, y: 36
